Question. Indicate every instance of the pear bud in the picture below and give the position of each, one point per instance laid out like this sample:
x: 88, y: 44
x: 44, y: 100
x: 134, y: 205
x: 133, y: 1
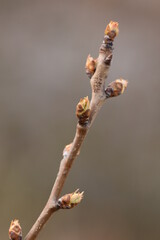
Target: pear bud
x: 70, y: 200
x: 15, y: 230
x: 83, y: 111
x: 116, y: 88
x: 112, y: 29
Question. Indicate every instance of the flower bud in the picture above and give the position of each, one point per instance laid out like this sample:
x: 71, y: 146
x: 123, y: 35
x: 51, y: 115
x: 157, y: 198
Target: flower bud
x: 116, y: 88
x: 90, y: 66
x: 70, y: 200
x: 83, y: 111
x: 112, y: 29
x: 15, y: 230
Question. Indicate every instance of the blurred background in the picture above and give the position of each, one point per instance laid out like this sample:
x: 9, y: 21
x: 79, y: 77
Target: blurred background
x: 43, y: 49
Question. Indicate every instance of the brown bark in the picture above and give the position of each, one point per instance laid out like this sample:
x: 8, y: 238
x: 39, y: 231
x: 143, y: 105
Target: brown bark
x: 99, y: 95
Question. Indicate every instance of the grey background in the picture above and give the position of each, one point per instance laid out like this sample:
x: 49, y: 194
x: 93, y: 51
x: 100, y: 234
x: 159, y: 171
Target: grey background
x: 43, y: 49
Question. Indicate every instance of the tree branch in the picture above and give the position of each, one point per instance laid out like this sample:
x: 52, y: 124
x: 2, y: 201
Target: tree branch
x: 97, y: 70
x: 65, y: 165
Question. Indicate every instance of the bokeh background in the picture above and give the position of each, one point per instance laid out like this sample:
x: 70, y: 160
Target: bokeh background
x: 43, y: 49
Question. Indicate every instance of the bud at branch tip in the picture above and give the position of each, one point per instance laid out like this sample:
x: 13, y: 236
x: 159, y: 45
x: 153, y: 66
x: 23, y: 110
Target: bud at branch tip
x: 90, y: 67
x: 112, y: 29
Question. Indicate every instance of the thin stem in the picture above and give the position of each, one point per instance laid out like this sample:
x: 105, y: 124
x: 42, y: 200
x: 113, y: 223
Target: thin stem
x: 64, y: 169
x: 98, y: 98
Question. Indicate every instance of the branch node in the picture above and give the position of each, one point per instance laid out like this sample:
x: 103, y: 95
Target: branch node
x: 108, y: 59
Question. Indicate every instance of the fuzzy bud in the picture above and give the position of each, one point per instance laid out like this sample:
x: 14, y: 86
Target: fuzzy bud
x: 116, y: 88
x: 112, y: 29
x: 15, y: 230
x: 83, y: 111
x: 90, y: 66
x: 70, y: 200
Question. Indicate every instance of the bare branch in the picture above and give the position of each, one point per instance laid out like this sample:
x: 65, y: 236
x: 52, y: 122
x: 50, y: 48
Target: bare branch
x: 86, y: 113
x: 65, y: 165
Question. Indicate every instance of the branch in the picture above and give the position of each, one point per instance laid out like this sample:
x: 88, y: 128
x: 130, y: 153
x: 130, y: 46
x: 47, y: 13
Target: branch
x: 65, y: 165
x: 86, y: 112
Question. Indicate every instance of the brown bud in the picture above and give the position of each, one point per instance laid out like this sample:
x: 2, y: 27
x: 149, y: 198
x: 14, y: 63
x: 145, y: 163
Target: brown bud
x: 90, y: 66
x: 116, y: 88
x: 15, y: 230
x: 70, y: 200
x: 112, y: 29
x: 67, y: 149
x: 83, y: 111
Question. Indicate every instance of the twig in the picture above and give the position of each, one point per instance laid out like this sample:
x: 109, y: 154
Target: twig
x: 97, y: 70
x: 65, y: 165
